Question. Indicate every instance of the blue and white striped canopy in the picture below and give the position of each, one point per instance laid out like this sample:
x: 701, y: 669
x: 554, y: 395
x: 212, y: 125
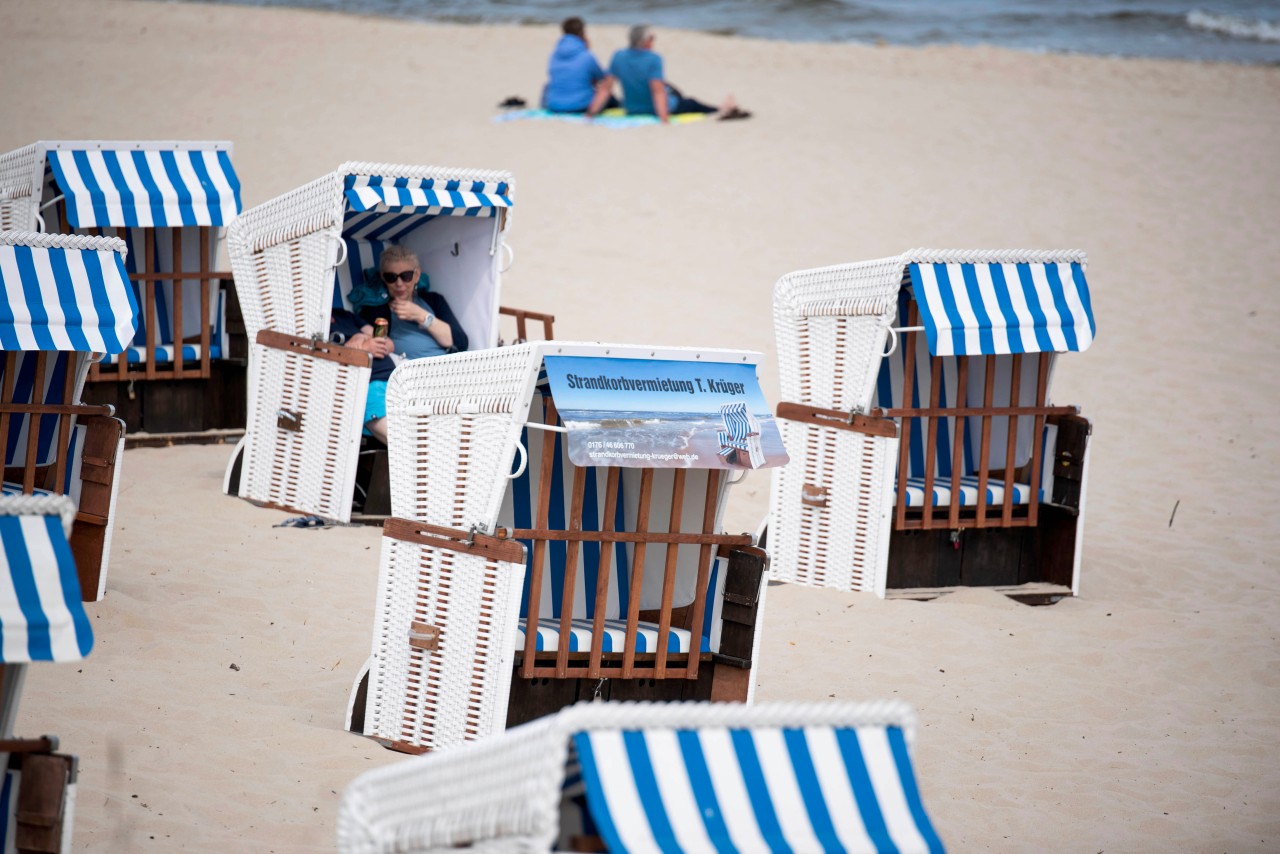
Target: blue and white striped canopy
x: 63, y: 298
x: 760, y: 789
x: 424, y: 196
x: 151, y: 188
x: 41, y: 615
x: 992, y: 309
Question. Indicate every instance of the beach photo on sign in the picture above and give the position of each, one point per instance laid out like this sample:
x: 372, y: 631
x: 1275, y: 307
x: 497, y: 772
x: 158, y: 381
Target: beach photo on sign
x: 657, y: 413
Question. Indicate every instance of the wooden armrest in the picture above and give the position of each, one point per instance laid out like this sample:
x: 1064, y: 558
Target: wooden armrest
x: 316, y: 348
x: 839, y: 420
x: 454, y: 540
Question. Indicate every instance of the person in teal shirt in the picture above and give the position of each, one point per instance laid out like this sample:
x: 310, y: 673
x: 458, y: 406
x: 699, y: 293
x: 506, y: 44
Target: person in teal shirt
x: 645, y: 91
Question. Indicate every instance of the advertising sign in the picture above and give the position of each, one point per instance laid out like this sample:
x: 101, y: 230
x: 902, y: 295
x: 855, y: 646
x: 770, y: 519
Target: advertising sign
x: 657, y: 413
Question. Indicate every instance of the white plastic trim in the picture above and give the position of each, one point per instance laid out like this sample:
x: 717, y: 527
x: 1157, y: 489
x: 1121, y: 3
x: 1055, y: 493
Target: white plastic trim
x: 511, y: 258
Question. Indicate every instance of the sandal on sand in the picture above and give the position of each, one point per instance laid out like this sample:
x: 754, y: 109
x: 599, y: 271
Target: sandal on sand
x: 513, y: 102
x: 734, y: 113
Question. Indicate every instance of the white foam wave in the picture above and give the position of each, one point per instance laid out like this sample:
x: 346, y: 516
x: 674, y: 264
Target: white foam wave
x: 1228, y: 25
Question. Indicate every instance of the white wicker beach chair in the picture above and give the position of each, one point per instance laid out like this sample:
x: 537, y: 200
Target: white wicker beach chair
x: 42, y: 619
x: 960, y: 414
x: 62, y: 299
x: 506, y: 508
x: 169, y: 202
x: 297, y: 257
x: 658, y: 777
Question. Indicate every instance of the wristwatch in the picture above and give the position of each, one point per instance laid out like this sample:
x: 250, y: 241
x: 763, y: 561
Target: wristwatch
x: 427, y: 321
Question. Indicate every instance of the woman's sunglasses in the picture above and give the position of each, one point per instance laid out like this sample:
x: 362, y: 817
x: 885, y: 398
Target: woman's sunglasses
x: 406, y: 277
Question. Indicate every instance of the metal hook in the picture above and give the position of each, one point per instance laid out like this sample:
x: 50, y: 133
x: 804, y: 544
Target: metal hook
x: 454, y: 253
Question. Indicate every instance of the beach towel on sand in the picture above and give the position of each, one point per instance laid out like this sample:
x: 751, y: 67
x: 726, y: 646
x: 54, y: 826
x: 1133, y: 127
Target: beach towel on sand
x: 609, y: 118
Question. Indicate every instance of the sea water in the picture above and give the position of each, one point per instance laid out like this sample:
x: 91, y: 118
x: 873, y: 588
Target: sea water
x: 1242, y: 31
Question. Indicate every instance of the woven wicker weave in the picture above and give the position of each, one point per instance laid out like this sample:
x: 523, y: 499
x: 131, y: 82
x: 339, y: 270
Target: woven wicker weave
x: 832, y: 327
x: 284, y: 253
x: 454, y: 427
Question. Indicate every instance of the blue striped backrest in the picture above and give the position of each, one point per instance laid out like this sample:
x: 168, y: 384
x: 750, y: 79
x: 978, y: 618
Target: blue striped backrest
x: 24, y: 391
x: 817, y: 788
x: 519, y: 509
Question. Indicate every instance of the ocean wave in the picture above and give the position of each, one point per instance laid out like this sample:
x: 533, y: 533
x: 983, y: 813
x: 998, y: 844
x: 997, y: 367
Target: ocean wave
x: 1229, y: 25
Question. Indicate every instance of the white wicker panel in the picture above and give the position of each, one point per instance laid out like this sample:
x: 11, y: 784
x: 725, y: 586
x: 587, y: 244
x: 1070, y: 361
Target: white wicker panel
x: 831, y: 326
x: 452, y: 425
x: 311, y: 470
x: 458, y: 692
x: 281, y: 255
x: 19, y: 197
x: 845, y: 544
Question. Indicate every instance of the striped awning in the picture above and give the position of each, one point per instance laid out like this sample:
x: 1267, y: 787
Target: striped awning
x: 147, y: 187
x: 58, y: 297
x: 759, y: 789
x: 425, y: 196
x: 41, y: 615
x: 986, y: 309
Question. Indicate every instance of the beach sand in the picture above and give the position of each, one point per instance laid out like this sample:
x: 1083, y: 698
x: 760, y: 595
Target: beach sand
x: 1144, y: 715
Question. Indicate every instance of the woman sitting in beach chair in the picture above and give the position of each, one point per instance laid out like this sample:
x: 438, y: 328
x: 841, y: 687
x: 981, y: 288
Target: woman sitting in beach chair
x: 399, y: 318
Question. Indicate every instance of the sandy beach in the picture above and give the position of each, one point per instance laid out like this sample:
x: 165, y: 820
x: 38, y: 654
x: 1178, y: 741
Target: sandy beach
x: 1142, y: 716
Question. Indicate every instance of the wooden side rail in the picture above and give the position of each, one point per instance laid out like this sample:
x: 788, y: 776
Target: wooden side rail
x: 627, y: 663
x: 14, y: 417
x: 145, y: 281
x: 522, y: 317
x: 929, y: 415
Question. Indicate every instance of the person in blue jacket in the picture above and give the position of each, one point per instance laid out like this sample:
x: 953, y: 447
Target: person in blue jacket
x: 645, y: 91
x: 575, y: 81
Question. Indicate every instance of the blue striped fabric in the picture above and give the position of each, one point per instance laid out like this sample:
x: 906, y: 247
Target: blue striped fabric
x: 424, y: 195
x: 738, y: 420
x: 54, y: 298
x: 150, y: 188
x: 41, y: 616
x: 764, y: 789
x: 987, y: 309
x: 615, y: 633
x: 968, y: 492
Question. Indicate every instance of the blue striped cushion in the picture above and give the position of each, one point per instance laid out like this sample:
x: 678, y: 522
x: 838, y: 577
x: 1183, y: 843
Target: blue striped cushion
x: 615, y: 632
x: 164, y: 354
x: 968, y: 492
x: 10, y: 488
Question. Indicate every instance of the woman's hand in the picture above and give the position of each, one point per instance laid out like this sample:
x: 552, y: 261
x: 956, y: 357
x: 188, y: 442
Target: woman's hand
x: 379, y: 347
x: 409, y: 311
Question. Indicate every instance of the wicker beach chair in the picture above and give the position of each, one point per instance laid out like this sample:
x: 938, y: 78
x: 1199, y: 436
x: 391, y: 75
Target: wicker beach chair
x: 63, y: 298
x: 929, y: 461
x: 509, y: 511
x: 42, y: 620
x: 740, y: 440
x: 296, y: 258
x: 658, y: 777
x: 169, y: 202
